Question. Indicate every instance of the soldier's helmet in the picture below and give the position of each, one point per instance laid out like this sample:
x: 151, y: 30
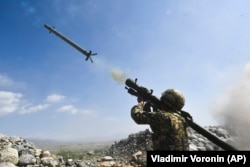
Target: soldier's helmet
x: 173, y: 98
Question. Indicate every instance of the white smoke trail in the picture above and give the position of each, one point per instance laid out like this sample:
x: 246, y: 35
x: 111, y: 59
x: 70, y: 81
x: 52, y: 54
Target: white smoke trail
x: 233, y: 110
x: 118, y: 75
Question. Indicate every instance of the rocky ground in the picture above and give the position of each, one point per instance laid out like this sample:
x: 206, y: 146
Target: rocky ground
x: 18, y: 152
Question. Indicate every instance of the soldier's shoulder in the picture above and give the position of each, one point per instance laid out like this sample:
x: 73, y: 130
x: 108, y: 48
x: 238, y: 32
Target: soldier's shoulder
x: 168, y: 113
x: 172, y: 115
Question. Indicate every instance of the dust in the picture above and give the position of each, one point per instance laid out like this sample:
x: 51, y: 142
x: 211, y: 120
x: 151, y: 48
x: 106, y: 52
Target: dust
x: 233, y: 110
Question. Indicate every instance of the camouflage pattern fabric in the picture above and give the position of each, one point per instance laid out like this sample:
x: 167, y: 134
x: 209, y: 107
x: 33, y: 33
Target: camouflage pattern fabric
x: 169, y: 128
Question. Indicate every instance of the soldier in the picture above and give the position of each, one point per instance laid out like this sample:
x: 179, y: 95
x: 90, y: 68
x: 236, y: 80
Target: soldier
x: 168, y: 127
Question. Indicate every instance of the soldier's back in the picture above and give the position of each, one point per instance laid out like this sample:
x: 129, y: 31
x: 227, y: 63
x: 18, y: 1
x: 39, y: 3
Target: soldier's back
x: 169, y: 131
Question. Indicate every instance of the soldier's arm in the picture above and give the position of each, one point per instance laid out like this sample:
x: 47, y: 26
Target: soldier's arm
x: 140, y: 116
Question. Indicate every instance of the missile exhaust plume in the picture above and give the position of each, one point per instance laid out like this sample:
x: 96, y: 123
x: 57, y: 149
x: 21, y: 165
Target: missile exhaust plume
x: 119, y: 76
x: 233, y: 110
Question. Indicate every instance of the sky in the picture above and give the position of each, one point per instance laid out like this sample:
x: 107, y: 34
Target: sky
x: 49, y: 91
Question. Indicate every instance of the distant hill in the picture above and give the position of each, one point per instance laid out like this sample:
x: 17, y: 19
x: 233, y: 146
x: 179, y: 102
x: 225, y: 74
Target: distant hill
x: 57, y: 144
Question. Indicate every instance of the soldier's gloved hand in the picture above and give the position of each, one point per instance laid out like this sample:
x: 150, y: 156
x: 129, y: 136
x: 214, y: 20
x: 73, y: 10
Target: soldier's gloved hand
x: 140, y: 100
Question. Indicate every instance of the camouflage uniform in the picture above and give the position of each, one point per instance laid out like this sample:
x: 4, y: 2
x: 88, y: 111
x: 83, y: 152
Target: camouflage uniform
x: 169, y: 128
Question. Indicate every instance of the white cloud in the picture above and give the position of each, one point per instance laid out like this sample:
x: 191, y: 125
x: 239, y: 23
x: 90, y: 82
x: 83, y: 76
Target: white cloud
x: 5, y: 80
x: 68, y: 108
x: 13, y: 102
x: 54, y: 98
x: 72, y: 109
x: 9, y: 102
x: 31, y: 108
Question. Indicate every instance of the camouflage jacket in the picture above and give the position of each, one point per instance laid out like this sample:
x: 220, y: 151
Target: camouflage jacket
x: 169, y: 128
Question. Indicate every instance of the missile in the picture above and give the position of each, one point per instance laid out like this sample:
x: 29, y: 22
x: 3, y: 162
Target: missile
x: 88, y: 54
